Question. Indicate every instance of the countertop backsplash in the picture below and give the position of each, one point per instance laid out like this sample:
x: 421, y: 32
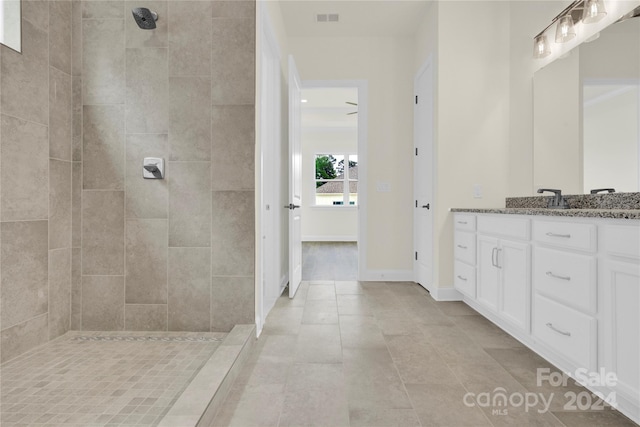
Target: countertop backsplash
x: 624, y: 201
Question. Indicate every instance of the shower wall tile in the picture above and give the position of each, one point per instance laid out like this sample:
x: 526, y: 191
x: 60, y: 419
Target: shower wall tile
x: 232, y: 236
x: 146, y: 198
x: 103, y: 64
x: 59, y: 114
x: 232, y: 302
x: 102, y: 307
x: 147, y: 90
x: 103, y: 151
x: 60, y: 35
x: 103, y: 233
x: 21, y: 338
x: 189, y: 204
x: 146, y: 265
x: 76, y: 204
x: 234, y: 9
x: 190, y: 118
x: 233, y: 148
x: 190, y: 38
x: 107, y: 9
x: 59, y: 292
x: 137, y: 37
x: 37, y: 13
x: 24, y: 77
x: 76, y: 118
x: 60, y: 208
x: 24, y: 269
x: 24, y: 169
x: 233, y: 61
x: 189, y: 287
x: 76, y: 37
x: 145, y: 317
x: 76, y: 289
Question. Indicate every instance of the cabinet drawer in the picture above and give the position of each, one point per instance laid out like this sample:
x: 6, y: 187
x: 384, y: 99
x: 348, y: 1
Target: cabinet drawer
x: 465, y: 247
x: 567, y: 277
x: 504, y: 225
x: 622, y: 240
x: 465, y: 278
x: 568, y: 332
x: 565, y: 235
x: 464, y: 222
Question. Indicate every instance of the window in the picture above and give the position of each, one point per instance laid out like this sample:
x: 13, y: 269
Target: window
x: 336, y: 179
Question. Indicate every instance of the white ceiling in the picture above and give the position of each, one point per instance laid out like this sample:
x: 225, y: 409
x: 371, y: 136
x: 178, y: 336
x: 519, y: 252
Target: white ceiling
x: 327, y: 107
x: 358, y: 18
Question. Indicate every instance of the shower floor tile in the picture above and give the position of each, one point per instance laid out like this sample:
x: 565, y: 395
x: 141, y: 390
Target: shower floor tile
x: 102, y: 379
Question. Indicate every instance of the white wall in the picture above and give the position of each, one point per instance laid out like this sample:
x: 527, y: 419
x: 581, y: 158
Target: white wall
x: 386, y: 64
x: 472, y: 103
x: 326, y: 223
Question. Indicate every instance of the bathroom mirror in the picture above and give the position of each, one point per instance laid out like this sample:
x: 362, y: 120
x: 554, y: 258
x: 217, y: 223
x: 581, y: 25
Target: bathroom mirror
x: 11, y: 24
x: 587, y: 115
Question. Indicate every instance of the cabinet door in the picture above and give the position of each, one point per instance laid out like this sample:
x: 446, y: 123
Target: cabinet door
x: 514, y: 262
x: 621, y: 318
x: 488, y: 272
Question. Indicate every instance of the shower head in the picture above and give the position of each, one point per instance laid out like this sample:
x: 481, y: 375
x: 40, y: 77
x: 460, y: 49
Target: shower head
x: 145, y: 18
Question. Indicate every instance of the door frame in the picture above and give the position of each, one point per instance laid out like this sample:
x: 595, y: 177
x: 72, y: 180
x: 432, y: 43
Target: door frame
x: 363, y: 110
x: 428, y: 63
x: 268, y: 123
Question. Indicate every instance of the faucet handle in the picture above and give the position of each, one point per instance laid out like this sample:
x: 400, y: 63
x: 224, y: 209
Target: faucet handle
x: 551, y: 190
x: 600, y: 190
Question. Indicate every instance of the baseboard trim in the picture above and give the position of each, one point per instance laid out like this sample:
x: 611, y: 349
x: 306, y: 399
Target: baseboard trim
x: 387, y: 276
x: 445, y: 294
x: 329, y: 238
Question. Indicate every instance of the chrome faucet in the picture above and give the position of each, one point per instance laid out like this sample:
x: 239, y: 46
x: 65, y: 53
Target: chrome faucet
x: 557, y: 202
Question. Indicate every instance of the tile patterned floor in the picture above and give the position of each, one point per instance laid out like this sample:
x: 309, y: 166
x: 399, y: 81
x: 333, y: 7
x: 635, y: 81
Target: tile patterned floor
x: 386, y: 354
x: 102, y: 379
x: 329, y: 260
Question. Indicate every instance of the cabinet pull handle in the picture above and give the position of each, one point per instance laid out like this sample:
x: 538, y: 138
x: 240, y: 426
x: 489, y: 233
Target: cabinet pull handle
x: 462, y: 278
x: 493, y: 257
x: 498, y: 258
x: 462, y: 247
x: 566, y: 334
x: 462, y: 222
x: 566, y: 236
x: 555, y: 276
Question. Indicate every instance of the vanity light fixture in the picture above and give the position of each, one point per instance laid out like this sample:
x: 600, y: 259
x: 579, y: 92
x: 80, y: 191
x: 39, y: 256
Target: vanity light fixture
x: 593, y: 11
x: 541, y: 46
x: 565, y: 30
x: 586, y: 11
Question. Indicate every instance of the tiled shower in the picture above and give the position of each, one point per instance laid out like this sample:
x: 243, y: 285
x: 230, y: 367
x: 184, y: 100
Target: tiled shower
x: 86, y: 242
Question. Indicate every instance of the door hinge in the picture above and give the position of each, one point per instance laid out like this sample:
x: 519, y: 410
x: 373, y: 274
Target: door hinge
x: 416, y: 99
x: 416, y: 151
x: 416, y: 203
x: 416, y: 255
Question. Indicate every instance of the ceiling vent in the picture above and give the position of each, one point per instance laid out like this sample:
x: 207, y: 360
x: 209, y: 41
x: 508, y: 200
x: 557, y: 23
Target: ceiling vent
x: 327, y: 17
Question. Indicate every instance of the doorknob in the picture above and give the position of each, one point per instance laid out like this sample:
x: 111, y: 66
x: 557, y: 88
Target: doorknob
x: 427, y: 206
x: 291, y: 206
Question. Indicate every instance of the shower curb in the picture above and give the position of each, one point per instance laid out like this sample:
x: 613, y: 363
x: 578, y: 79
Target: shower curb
x: 203, y: 397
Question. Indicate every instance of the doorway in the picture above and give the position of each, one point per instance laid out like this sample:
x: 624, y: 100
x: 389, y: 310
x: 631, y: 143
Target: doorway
x: 331, y: 180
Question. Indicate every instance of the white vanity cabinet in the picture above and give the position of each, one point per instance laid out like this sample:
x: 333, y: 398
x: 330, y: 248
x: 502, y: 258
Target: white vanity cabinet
x: 465, y: 254
x: 564, y: 285
x: 567, y: 287
x: 503, y: 279
x: 620, y: 294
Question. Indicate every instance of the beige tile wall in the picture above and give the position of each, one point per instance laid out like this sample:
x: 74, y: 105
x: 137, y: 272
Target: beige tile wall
x: 174, y: 254
x: 85, y: 242
x: 36, y: 175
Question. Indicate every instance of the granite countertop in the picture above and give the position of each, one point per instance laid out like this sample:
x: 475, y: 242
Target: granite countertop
x: 587, y: 213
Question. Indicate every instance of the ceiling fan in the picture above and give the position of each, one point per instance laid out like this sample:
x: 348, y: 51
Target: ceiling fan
x: 352, y: 103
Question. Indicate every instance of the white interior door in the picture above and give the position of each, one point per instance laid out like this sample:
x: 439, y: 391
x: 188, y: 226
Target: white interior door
x: 423, y: 176
x: 295, y: 179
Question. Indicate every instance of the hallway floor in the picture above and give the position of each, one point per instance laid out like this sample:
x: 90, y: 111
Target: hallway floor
x: 387, y: 354
x: 329, y: 260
